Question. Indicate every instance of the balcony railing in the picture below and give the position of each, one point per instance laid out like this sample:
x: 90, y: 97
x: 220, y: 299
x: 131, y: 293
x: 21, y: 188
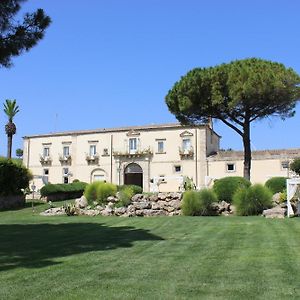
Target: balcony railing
x: 186, y: 152
x: 45, y: 159
x: 65, y: 159
x: 92, y: 159
x: 133, y: 153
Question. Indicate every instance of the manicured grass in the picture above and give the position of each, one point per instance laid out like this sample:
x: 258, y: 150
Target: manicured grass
x: 148, y: 258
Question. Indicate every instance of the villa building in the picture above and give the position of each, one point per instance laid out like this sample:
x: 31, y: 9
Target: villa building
x: 142, y: 154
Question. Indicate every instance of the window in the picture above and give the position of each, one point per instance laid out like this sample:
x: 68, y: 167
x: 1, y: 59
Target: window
x: 93, y: 150
x: 132, y: 145
x: 177, y: 169
x: 160, y: 146
x: 45, y: 177
x: 186, y: 144
x: 230, y: 167
x: 65, y: 175
x: 46, y: 151
x: 66, y: 150
x: 162, y: 179
x: 285, y: 165
x: 105, y: 152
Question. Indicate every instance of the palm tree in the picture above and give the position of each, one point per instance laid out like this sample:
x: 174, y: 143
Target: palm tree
x: 11, y: 109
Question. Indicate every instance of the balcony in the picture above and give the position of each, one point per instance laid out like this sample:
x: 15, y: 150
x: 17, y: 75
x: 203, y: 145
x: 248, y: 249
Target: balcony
x: 133, y: 153
x: 92, y: 159
x: 186, y: 153
x: 65, y: 159
x: 45, y: 159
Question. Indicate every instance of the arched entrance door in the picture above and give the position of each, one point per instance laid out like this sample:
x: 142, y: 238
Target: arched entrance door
x: 133, y: 174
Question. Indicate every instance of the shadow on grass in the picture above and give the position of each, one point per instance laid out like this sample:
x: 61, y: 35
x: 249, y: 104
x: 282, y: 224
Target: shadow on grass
x: 36, y: 246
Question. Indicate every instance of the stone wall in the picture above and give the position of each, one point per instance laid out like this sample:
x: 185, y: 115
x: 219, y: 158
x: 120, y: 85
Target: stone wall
x: 11, y: 202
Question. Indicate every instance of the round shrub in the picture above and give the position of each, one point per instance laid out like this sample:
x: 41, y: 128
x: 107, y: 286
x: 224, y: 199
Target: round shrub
x: 253, y: 200
x: 198, y: 203
x: 14, y: 177
x: 227, y: 186
x: 99, y: 191
x: 295, y: 166
x: 276, y: 184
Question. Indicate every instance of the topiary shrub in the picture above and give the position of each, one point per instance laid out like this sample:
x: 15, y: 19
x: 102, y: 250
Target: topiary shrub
x: 14, y: 177
x: 61, y: 191
x: 227, y: 186
x: 253, y: 200
x: 276, y: 184
x: 295, y: 166
x: 198, y: 203
x: 99, y: 191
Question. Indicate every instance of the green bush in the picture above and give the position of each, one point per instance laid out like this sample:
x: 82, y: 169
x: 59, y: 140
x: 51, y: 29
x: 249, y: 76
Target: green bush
x: 125, y: 195
x: 99, y: 191
x: 253, y: 200
x: 61, y: 188
x: 198, y: 203
x: 14, y: 177
x: 135, y: 188
x: 276, y: 184
x: 295, y: 166
x: 227, y: 186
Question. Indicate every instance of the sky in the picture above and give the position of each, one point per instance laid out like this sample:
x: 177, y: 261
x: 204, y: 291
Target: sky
x: 110, y: 63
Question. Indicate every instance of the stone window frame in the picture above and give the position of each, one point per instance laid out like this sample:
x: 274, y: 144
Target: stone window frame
x: 230, y: 163
x: 163, y: 140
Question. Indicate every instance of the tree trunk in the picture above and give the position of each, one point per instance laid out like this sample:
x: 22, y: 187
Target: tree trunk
x: 9, y: 145
x: 247, y: 150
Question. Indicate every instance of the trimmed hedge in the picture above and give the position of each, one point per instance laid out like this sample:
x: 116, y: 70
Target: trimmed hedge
x: 276, y: 184
x: 61, y: 191
x: 198, y: 203
x: 227, y: 186
x: 14, y: 177
x: 135, y: 188
x: 253, y: 200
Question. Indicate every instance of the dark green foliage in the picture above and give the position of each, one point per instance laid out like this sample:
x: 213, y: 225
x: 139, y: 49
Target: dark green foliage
x: 135, y: 188
x: 198, y: 203
x: 14, y: 177
x: 276, y: 184
x: 99, y: 191
x: 62, y: 191
x: 19, y: 153
x: 295, y: 166
x: 236, y: 93
x: 253, y: 200
x: 227, y: 186
x: 188, y: 184
x: 18, y: 36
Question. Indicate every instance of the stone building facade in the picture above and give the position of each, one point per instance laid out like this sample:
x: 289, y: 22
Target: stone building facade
x: 141, y: 154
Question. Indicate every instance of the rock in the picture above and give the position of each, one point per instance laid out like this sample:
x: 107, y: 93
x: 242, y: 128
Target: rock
x: 111, y: 204
x: 137, y: 198
x: 162, y: 204
x: 153, y: 198
x: 120, y: 211
x: 90, y: 212
x: 81, y: 202
x: 224, y: 206
x: 139, y: 212
x: 276, y: 198
x: 155, y: 206
x: 275, y: 212
x: 232, y: 209
x: 226, y: 213
x: 100, y: 207
x: 55, y: 211
x: 142, y: 204
x: 112, y: 199
x: 162, y: 196
x: 175, y: 203
x: 170, y: 209
x: 107, y: 211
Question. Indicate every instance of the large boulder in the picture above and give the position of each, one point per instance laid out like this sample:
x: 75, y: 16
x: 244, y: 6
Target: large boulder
x: 276, y: 198
x: 275, y: 212
x: 81, y: 202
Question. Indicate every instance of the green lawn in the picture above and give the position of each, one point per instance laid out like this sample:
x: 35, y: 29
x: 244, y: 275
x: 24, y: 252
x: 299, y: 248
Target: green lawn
x: 148, y: 258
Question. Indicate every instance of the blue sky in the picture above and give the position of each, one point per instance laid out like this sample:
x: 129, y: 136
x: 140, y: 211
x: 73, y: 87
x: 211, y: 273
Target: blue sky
x: 110, y: 63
